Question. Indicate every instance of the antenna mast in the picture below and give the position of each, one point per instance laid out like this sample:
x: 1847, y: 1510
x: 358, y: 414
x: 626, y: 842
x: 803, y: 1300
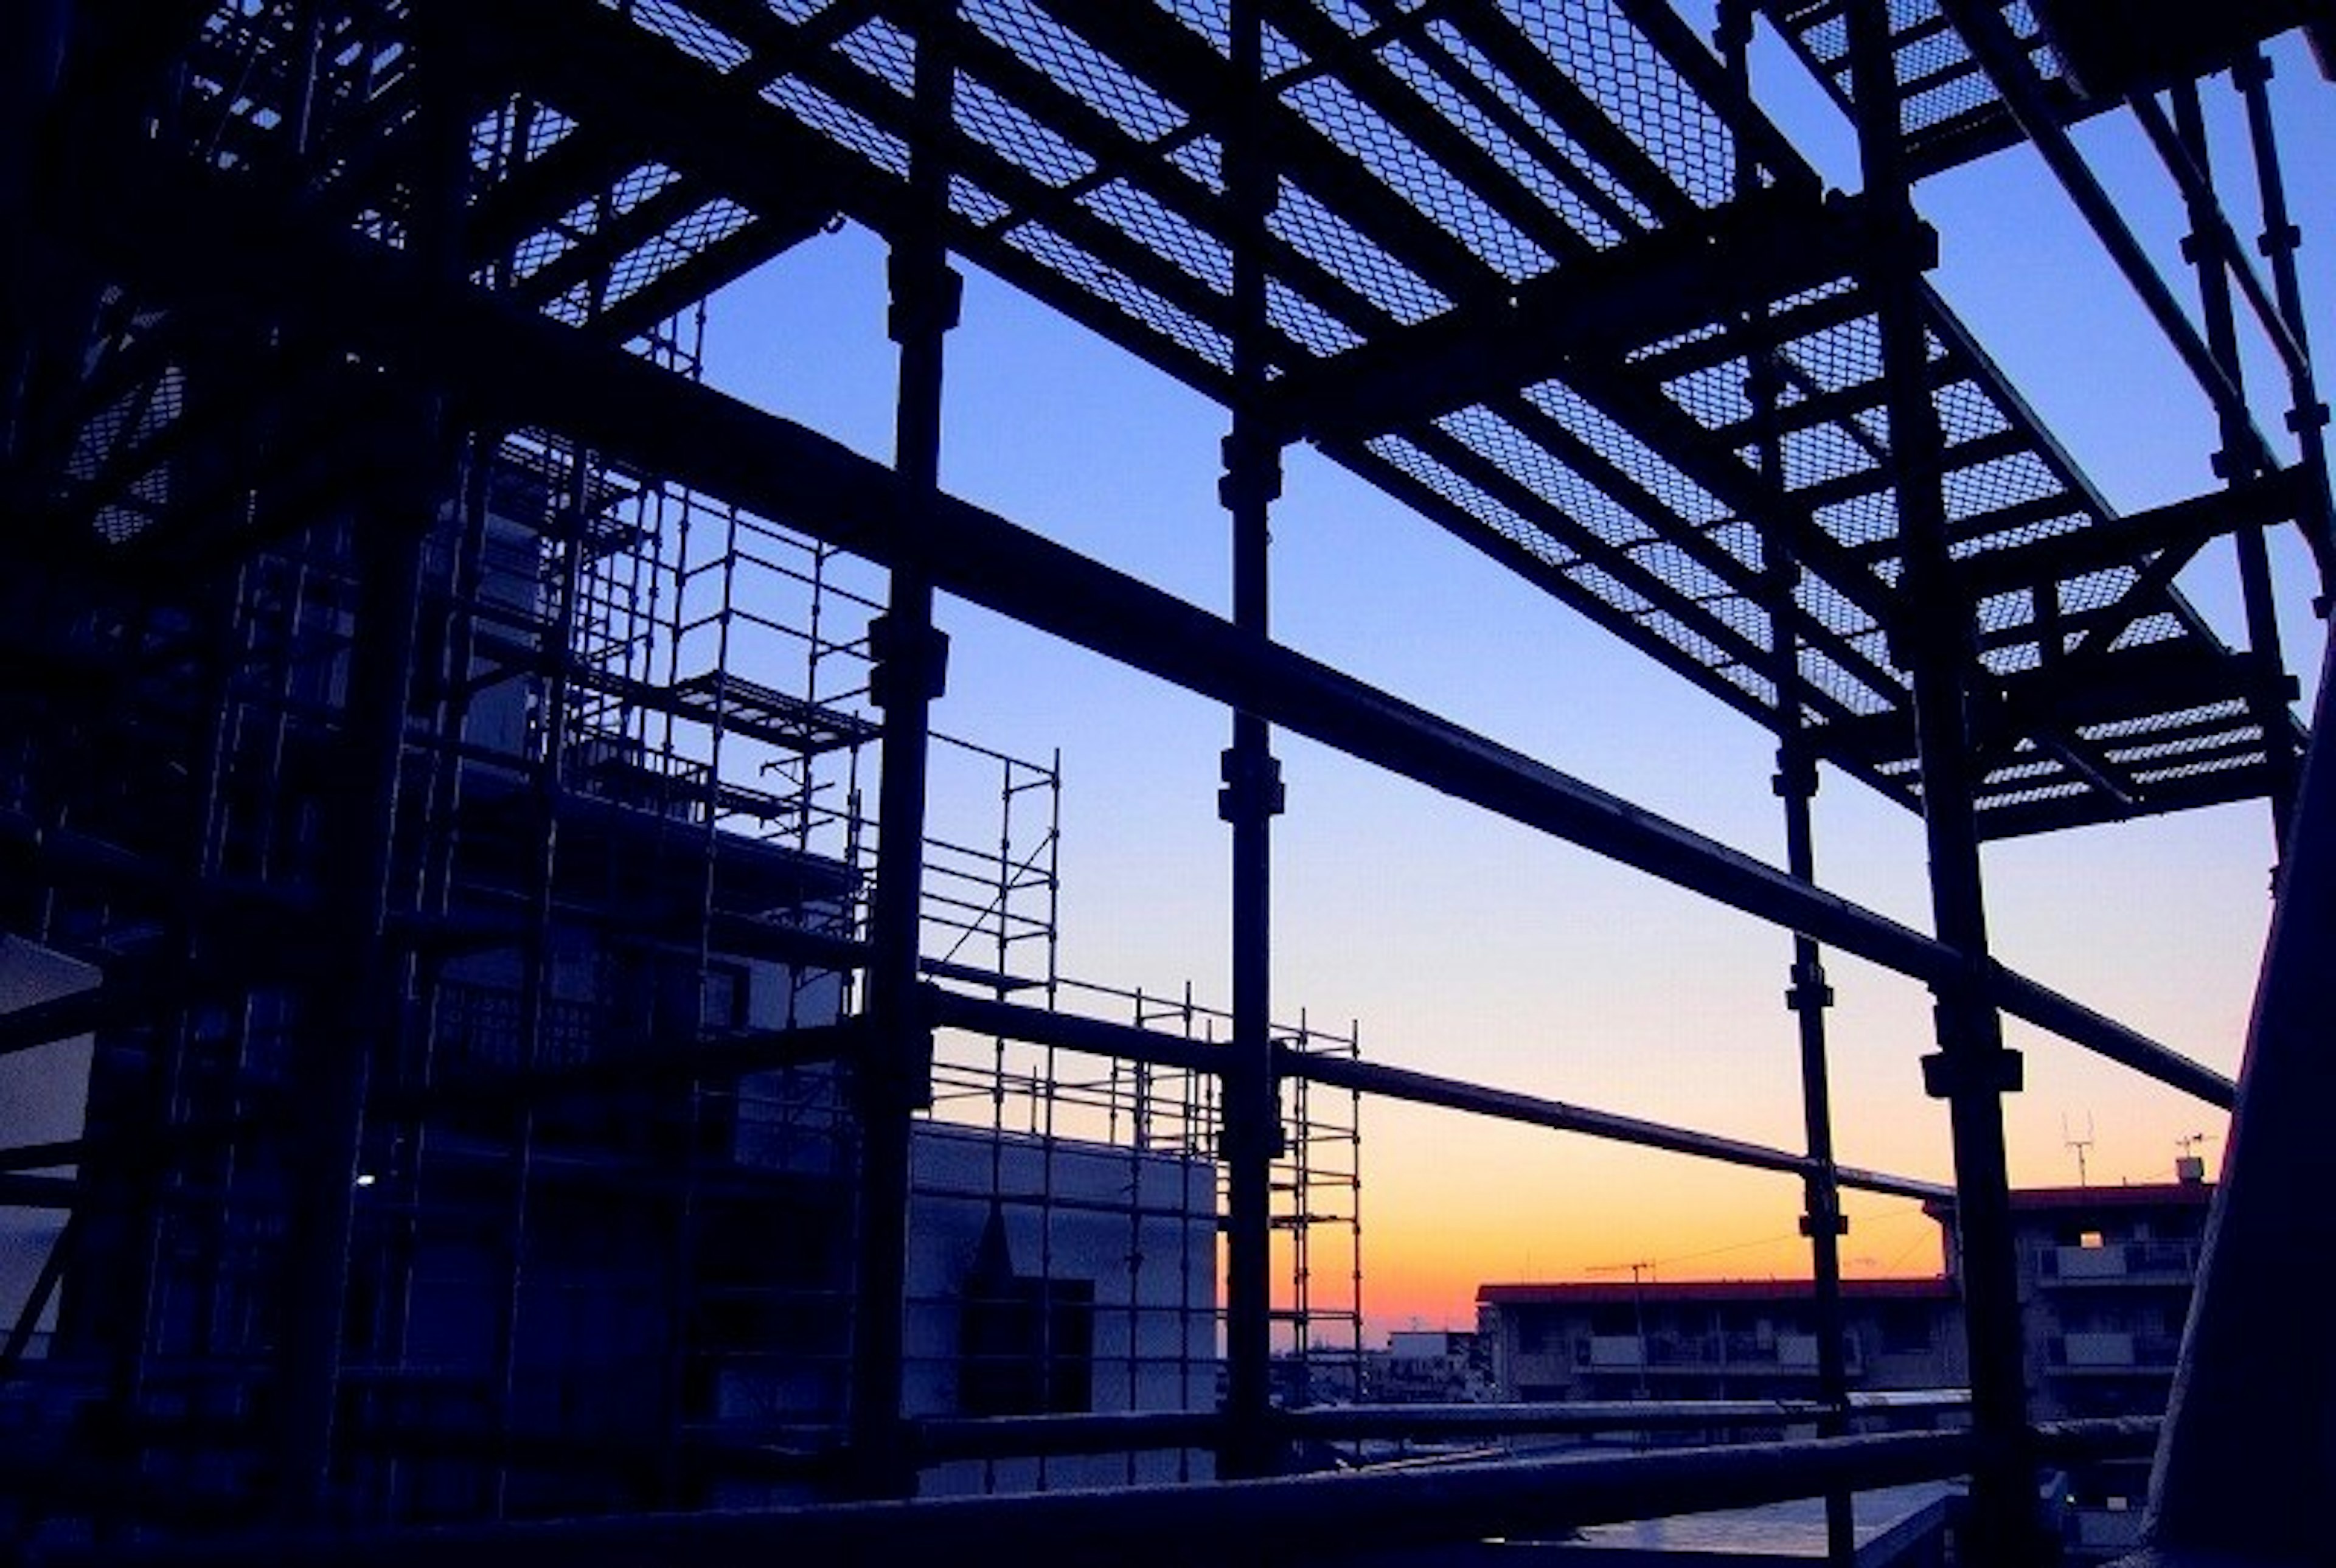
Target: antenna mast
x: 2077, y: 1144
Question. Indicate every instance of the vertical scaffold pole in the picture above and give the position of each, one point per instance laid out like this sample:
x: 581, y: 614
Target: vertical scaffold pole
x: 1972, y: 1070
x: 895, y: 1074
x: 1252, y: 798
x: 2237, y: 462
x: 2307, y: 415
x: 364, y: 997
x: 1795, y: 784
x: 1822, y: 1220
x: 32, y: 65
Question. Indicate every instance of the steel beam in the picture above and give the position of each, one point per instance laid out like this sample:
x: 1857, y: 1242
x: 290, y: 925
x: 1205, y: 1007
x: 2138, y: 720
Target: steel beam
x: 1656, y: 285
x: 21, y: 1191
x: 118, y: 1001
x: 606, y: 65
x: 2185, y: 525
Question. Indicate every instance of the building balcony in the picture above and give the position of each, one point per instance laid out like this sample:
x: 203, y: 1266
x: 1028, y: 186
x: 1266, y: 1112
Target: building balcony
x: 2161, y: 1263
x: 1787, y: 1355
x: 2113, y: 1352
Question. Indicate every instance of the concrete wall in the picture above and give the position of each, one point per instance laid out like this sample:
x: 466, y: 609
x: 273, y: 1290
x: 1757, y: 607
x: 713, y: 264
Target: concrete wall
x: 1137, y: 1228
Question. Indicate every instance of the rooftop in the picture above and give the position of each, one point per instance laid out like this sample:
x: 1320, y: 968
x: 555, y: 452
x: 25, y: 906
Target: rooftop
x: 1594, y: 1291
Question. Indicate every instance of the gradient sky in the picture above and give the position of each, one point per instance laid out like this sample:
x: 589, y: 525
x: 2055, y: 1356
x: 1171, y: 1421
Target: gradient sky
x: 1466, y: 945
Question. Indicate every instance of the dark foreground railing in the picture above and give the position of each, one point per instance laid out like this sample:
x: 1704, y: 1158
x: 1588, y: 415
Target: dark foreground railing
x: 1312, y: 1517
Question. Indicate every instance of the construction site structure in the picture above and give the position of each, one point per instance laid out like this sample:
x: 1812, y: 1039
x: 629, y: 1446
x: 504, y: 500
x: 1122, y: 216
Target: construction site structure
x: 520, y: 1039
x: 602, y: 1239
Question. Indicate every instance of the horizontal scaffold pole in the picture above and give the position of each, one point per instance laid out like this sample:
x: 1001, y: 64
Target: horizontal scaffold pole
x: 196, y: 236
x: 1067, y: 1031
x: 1459, y: 1094
x: 1118, y: 1432
x: 1071, y: 1032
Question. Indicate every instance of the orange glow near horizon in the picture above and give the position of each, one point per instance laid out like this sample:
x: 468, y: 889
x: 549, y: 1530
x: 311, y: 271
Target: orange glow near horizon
x: 1578, y: 1209
x: 1452, y: 1204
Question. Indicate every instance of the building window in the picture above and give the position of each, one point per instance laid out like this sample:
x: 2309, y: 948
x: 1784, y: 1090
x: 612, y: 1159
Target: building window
x: 1905, y: 1328
x: 1027, y: 1348
x: 1026, y: 1344
x: 722, y: 996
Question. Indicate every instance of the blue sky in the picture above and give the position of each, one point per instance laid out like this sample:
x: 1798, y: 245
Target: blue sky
x: 1466, y: 945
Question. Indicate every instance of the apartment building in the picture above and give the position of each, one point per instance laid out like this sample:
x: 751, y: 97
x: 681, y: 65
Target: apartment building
x: 2105, y: 1276
x: 1713, y: 1338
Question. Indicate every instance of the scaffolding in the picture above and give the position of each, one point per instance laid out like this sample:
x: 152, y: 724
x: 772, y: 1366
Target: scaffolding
x: 674, y: 596
x: 472, y: 798
x: 1319, y: 1317
x: 636, y: 881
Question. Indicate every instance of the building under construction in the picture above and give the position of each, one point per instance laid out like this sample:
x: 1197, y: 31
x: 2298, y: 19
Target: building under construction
x: 513, y: 1048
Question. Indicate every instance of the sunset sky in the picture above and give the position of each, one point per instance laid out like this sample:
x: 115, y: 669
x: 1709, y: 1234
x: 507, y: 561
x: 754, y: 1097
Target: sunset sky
x: 1468, y: 946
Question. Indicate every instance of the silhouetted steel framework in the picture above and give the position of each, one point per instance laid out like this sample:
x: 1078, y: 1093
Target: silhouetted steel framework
x: 298, y: 291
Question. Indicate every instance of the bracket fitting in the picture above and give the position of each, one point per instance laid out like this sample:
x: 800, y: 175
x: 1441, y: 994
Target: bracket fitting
x: 1946, y: 1074
x: 911, y: 662
x: 1253, y: 469
x: 1795, y: 777
x: 928, y: 296
x: 1809, y: 992
x: 1253, y: 789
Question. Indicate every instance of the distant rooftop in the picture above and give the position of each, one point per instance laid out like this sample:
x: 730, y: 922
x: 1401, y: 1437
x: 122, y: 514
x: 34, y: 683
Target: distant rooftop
x: 2146, y: 1194
x: 1604, y: 1291
x: 2029, y: 1200
x: 2128, y: 1195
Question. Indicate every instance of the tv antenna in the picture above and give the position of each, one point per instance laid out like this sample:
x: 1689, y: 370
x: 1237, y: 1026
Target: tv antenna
x: 2077, y: 1144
